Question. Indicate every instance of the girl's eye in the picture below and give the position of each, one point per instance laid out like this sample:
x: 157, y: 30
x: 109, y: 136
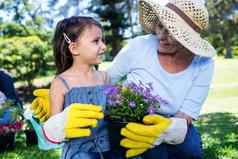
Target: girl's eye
x: 96, y: 40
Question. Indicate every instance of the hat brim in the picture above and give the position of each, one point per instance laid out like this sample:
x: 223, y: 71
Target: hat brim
x: 151, y: 12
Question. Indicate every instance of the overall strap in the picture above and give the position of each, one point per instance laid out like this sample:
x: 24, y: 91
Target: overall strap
x: 106, y: 78
x: 64, y: 82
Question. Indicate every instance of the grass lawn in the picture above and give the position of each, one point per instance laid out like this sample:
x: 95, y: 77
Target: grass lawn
x: 223, y: 96
x: 218, y: 124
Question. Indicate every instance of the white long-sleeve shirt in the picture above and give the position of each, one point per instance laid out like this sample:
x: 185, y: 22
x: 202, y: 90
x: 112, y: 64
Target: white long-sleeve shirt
x: 184, y: 91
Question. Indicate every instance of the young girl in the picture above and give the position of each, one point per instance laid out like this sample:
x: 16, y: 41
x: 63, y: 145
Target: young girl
x: 78, y: 46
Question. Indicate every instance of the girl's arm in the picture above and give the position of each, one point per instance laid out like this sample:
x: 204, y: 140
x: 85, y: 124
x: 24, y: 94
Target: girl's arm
x: 74, y: 121
x: 57, y: 91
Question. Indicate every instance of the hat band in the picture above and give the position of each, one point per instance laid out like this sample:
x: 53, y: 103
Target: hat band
x: 183, y: 16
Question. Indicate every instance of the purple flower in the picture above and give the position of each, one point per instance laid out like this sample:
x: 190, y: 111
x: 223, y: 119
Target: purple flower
x: 111, y: 90
x: 132, y: 104
x: 136, y: 96
x: 118, y: 102
x: 111, y: 102
x: 160, y: 100
x: 152, y: 110
x: 135, y: 88
x: 147, y: 94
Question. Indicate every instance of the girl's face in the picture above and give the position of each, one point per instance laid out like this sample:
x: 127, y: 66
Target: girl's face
x: 90, y: 46
x: 167, y: 43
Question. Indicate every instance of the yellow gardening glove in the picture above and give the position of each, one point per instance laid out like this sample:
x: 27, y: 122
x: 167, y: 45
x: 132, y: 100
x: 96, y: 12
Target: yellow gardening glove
x: 80, y: 117
x: 74, y: 122
x: 140, y: 137
x: 40, y: 105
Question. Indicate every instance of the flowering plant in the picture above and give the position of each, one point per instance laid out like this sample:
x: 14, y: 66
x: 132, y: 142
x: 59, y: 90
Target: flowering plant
x: 132, y: 102
x: 10, y: 116
x: 14, y: 127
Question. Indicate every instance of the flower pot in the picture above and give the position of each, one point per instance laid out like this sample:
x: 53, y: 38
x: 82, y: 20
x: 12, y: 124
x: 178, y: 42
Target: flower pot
x: 114, y: 129
x: 31, y: 137
x: 7, y: 142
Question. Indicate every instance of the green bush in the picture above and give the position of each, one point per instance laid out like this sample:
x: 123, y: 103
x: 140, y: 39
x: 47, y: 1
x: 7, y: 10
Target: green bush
x: 24, y: 57
x: 13, y: 29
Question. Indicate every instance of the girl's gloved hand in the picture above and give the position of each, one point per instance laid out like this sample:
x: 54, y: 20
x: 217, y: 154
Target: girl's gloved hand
x: 74, y: 122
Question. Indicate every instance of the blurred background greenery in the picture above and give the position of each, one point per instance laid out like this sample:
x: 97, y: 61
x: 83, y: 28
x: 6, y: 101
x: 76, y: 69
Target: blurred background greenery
x: 26, y: 29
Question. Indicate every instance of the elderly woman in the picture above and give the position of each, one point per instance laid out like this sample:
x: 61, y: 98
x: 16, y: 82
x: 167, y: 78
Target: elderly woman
x: 177, y: 62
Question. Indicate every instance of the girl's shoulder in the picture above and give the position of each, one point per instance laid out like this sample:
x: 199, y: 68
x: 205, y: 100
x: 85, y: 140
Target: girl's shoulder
x: 103, y: 75
x: 67, y: 82
x: 58, y: 85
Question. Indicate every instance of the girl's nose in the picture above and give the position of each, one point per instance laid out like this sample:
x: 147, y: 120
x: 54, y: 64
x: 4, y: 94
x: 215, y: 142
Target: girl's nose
x: 103, y: 47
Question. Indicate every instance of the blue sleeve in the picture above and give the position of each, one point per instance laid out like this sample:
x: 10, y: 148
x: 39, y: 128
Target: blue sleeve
x: 5, y: 118
x: 198, y: 92
x: 7, y: 87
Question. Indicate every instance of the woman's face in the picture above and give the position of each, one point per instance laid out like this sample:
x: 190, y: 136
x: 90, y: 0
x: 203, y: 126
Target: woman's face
x: 167, y: 43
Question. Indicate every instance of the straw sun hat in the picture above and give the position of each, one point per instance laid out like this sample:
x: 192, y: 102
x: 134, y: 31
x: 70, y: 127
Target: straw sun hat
x: 184, y: 19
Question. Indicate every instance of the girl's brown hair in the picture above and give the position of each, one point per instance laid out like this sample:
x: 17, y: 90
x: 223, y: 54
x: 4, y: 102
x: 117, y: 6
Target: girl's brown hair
x: 71, y: 27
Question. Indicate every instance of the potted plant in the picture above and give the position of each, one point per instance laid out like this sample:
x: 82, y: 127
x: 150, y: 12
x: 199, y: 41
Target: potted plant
x: 11, y: 122
x: 128, y: 104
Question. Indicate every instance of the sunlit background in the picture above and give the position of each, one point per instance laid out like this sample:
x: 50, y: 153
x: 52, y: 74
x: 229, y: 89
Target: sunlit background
x: 26, y: 30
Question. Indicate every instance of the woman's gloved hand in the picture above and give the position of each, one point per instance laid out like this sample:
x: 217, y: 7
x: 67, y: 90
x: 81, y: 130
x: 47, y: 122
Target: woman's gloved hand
x: 155, y: 130
x: 40, y: 105
x: 74, y: 122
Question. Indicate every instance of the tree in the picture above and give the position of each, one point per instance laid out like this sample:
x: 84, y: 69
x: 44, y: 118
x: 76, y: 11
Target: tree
x: 65, y: 9
x: 23, y: 37
x: 132, y: 12
x: 69, y: 8
x: 223, y: 20
x: 11, y: 29
x: 116, y: 18
x: 19, y: 9
x: 113, y: 20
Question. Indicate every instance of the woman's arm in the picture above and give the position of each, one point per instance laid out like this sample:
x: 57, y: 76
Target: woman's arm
x: 121, y: 64
x: 184, y: 116
x: 198, y: 93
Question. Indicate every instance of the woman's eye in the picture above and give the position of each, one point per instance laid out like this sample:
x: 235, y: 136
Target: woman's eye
x: 160, y: 26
